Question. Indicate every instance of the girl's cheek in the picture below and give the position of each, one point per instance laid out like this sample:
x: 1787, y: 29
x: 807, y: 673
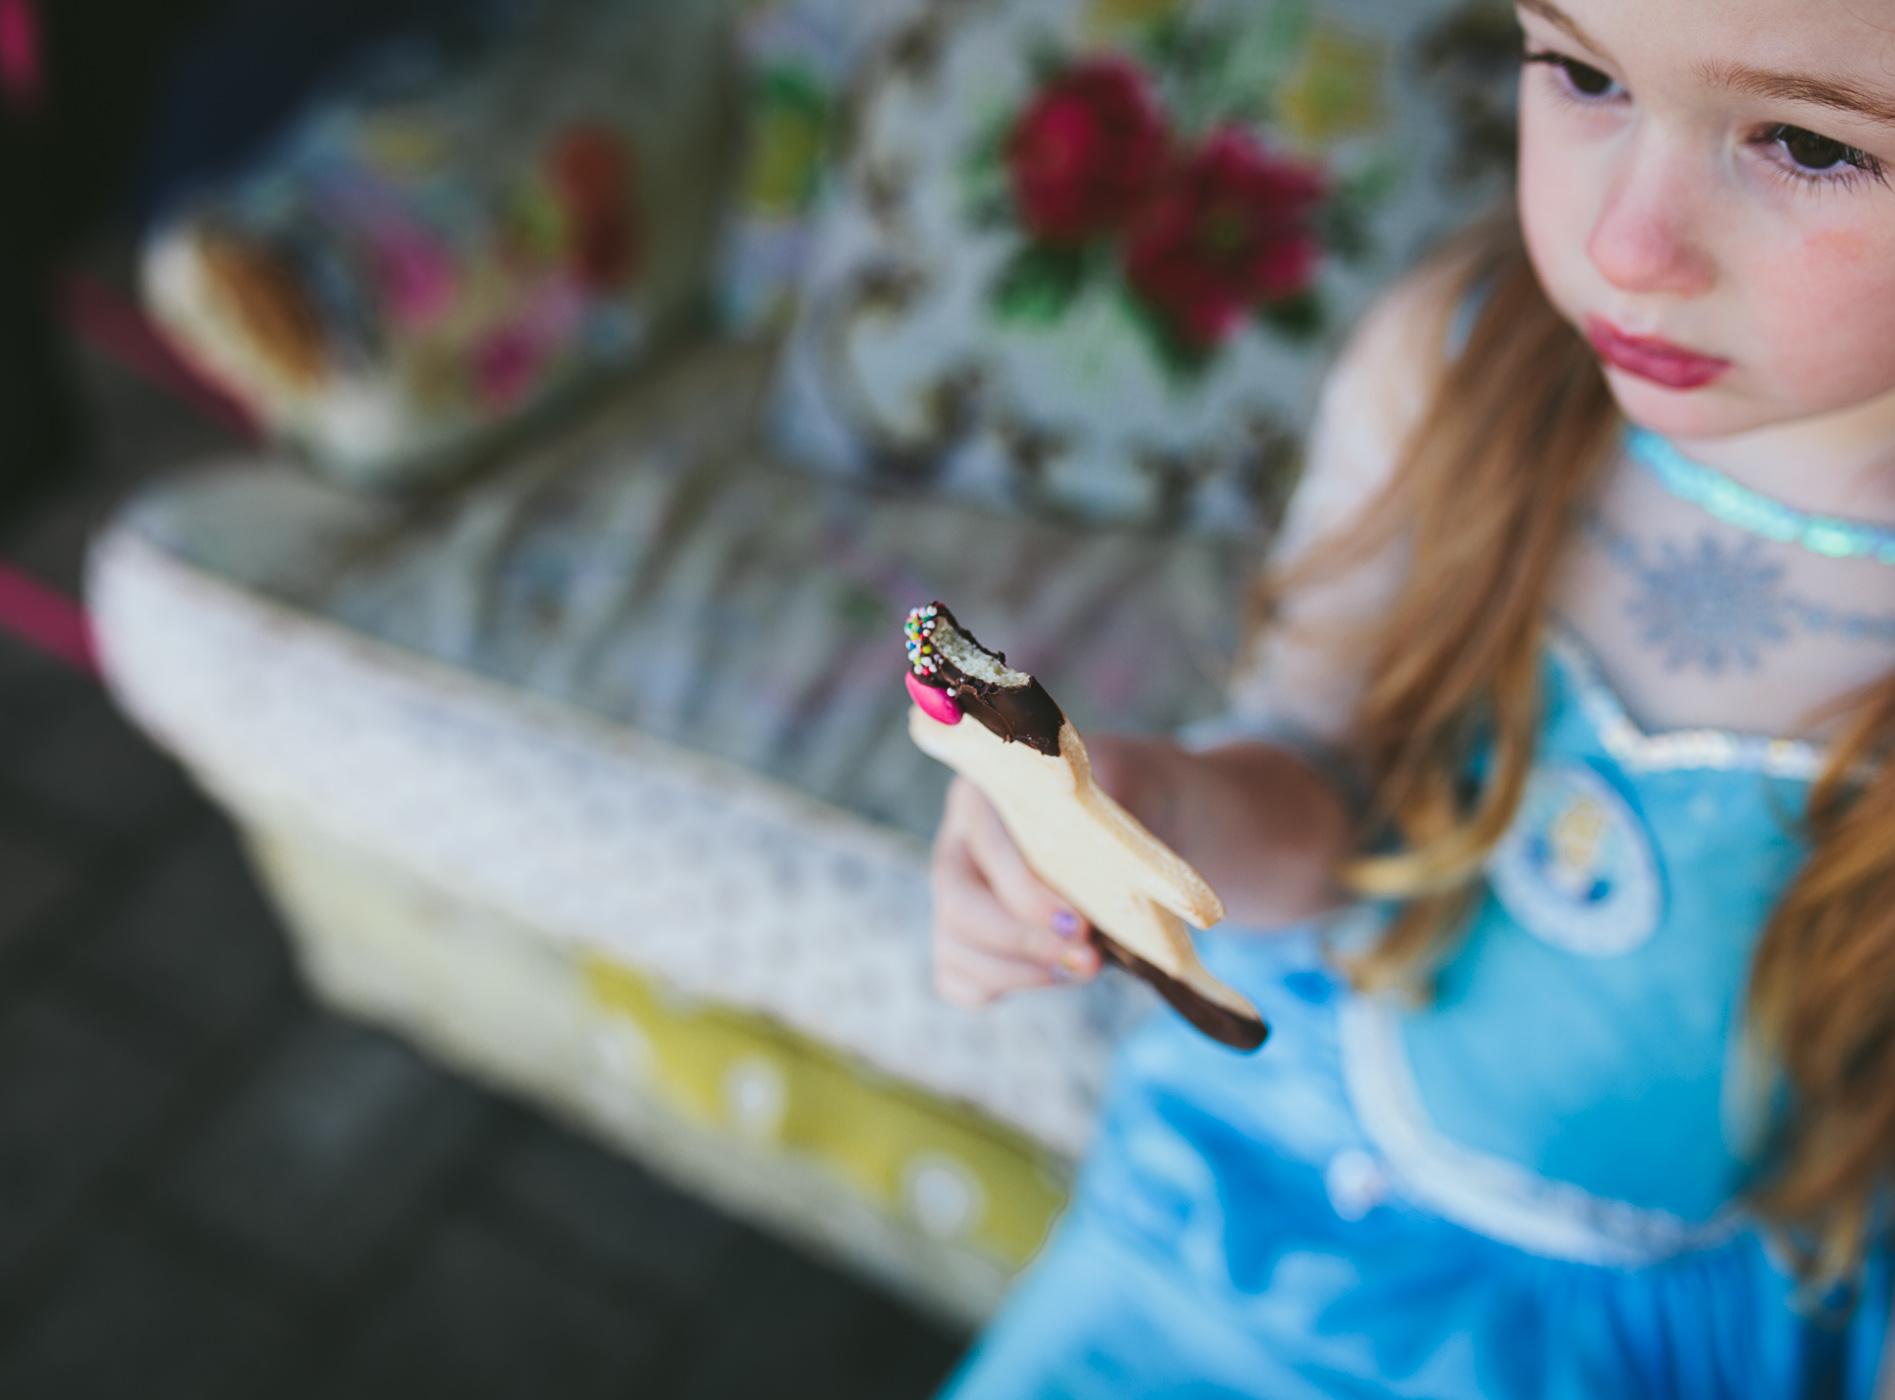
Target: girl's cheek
x: 1825, y: 308
x: 1568, y: 164
x: 1846, y: 250
x: 1556, y: 210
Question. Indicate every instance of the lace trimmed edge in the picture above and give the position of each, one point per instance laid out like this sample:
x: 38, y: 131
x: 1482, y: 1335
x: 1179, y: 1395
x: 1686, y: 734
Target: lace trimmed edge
x: 1676, y: 750
x: 1486, y: 1194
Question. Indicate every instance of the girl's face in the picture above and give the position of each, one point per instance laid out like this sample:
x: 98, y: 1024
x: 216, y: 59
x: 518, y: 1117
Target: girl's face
x: 1708, y: 193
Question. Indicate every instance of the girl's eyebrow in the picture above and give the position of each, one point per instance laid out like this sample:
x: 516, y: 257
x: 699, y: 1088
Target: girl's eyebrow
x: 1554, y: 15
x: 1754, y: 82
x: 1796, y: 87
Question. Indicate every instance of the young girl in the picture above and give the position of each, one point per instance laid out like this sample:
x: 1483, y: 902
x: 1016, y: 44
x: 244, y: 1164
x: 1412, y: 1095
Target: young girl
x: 1567, y: 744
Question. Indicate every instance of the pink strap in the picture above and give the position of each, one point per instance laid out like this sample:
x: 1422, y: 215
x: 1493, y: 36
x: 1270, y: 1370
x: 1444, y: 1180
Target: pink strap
x: 107, y: 320
x: 46, y: 618
x: 22, y: 71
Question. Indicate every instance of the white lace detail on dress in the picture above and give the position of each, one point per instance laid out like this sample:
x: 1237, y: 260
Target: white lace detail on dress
x: 1676, y: 749
x: 1490, y: 1195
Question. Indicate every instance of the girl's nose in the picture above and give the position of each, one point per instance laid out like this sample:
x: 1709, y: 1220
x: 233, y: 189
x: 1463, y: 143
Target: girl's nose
x: 1647, y: 237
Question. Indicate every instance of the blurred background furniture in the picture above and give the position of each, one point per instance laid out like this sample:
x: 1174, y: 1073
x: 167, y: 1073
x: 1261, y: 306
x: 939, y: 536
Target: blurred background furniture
x: 632, y: 367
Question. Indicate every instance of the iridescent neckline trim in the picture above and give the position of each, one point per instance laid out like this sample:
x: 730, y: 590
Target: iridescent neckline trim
x: 1674, y: 750
x: 1738, y: 505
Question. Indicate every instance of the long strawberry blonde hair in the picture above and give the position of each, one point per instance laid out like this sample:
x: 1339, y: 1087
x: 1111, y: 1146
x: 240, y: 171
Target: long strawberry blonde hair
x: 1484, y: 501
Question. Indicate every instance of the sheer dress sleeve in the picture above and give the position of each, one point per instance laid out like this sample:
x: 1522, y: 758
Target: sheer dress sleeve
x: 1299, y: 687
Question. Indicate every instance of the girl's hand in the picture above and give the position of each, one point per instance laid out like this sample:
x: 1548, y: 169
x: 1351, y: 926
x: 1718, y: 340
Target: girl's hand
x: 997, y: 927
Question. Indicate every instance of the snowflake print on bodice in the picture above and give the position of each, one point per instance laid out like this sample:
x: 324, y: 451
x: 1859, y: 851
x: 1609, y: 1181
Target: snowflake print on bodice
x: 1712, y: 605
x: 1715, y: 605
x: 1699, y: 621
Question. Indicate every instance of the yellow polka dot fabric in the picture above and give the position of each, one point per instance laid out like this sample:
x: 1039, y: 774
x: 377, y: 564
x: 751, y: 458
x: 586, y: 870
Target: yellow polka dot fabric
x: 936, y: 1166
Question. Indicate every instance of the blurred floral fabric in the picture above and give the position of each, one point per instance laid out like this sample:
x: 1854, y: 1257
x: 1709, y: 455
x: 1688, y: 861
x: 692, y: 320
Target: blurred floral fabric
x: 799, y: 60
x: 1090, y: 256
x: 459, y: 233
x: 1082, y: 260
x: 1196, y: 234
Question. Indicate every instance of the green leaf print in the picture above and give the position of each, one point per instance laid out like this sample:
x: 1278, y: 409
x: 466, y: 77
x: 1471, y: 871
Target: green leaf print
x: 1183, y: 364
x: 1039, y: 284
x: 1299, y: 316
x: 1343, y: 221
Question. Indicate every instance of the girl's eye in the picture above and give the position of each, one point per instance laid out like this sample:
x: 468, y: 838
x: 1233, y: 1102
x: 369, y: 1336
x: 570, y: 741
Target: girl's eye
x: 1582, y: 78
x: 1809, y: 152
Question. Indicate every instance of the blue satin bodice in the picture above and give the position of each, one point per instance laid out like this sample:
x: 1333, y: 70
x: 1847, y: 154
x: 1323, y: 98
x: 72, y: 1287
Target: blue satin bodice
x: 1586, y: 1033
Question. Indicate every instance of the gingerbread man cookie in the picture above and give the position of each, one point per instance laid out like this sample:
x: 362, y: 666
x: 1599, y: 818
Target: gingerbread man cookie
x: 1030, y: 762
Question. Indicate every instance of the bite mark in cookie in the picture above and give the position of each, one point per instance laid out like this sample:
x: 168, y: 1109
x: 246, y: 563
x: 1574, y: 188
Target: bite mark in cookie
x: 944, y: 655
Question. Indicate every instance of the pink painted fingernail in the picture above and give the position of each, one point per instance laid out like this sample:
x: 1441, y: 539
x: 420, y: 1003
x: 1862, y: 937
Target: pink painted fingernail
x: 1066, y: 924
x: 937, y: 705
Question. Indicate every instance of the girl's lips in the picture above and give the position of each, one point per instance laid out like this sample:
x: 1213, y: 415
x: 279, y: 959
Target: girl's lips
x: 1657, y: 360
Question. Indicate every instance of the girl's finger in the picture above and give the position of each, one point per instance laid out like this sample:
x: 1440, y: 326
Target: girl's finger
x: 971, y: 976
x: 1047, y: 924
x: 967, y: 911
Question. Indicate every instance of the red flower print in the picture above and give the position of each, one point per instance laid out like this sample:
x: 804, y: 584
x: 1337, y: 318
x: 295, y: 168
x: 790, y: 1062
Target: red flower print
x: 506, y: 365
x: 1229, y: 232
x: 415, y: 272
x: 594, y: 173
x: 1086, y: 153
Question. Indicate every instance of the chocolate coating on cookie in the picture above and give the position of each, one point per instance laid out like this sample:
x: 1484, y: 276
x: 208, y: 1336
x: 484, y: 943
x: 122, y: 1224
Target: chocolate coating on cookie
x: 943, y: 654
x: 1026, y: 716
x: 1220, y: 1023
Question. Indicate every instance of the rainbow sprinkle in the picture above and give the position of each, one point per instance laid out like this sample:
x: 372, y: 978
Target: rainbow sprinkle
x: 918, y: 629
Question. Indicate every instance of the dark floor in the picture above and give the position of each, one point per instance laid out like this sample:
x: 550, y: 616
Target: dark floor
x: 211, y: 1188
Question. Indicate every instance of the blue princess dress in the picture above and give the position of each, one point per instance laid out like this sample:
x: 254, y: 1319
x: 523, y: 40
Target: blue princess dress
x: 1525, y: 1188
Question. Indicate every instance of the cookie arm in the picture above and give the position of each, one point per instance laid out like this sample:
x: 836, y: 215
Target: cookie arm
x: 1165, y: 875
